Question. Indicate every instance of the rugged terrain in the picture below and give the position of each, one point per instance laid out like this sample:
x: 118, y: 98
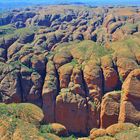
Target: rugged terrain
x: 80, y: 65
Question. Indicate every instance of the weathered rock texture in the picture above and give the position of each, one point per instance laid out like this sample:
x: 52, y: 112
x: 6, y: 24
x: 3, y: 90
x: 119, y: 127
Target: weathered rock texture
x: 130, y: 107
x: 110, y: 108
x: 66, y: 59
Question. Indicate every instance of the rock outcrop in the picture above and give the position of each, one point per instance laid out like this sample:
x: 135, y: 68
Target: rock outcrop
x: 129, y: 110
x: 73, y: 106
x: 49, y: 93
x: 110, y: 109
x: 79, y: 65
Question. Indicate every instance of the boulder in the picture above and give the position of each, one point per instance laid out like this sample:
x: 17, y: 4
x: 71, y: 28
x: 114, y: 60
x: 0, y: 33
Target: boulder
x: 119, y: 127
x: 58, y: 129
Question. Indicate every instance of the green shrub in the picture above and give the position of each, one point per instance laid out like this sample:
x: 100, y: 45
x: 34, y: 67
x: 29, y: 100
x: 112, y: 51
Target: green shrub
x: 72, y: 137
x: 46, y: 129
x: 133, y: 134
x: 74, y: 62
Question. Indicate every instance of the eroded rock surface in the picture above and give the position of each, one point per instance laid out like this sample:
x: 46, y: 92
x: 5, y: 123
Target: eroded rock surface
x: 66, y: 59
x: 129, y: 110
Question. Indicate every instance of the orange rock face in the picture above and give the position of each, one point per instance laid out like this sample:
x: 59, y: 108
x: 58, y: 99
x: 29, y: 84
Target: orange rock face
x: 72, y: 112
x: 49, y: 92
x: 129, y: 109
x: 64, y: 75
x: 72, y: 107
x: 111, y: 79
x: 110, y: 107
x: 125, y: 66
x: 93, y: 78
x: 110, y: 74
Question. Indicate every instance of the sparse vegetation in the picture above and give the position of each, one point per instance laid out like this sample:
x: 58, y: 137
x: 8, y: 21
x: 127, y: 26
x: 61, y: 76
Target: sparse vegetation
x: 72, y: 137
x: 74, y: 62
x: 6, y: 30
x: 44, y: 129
